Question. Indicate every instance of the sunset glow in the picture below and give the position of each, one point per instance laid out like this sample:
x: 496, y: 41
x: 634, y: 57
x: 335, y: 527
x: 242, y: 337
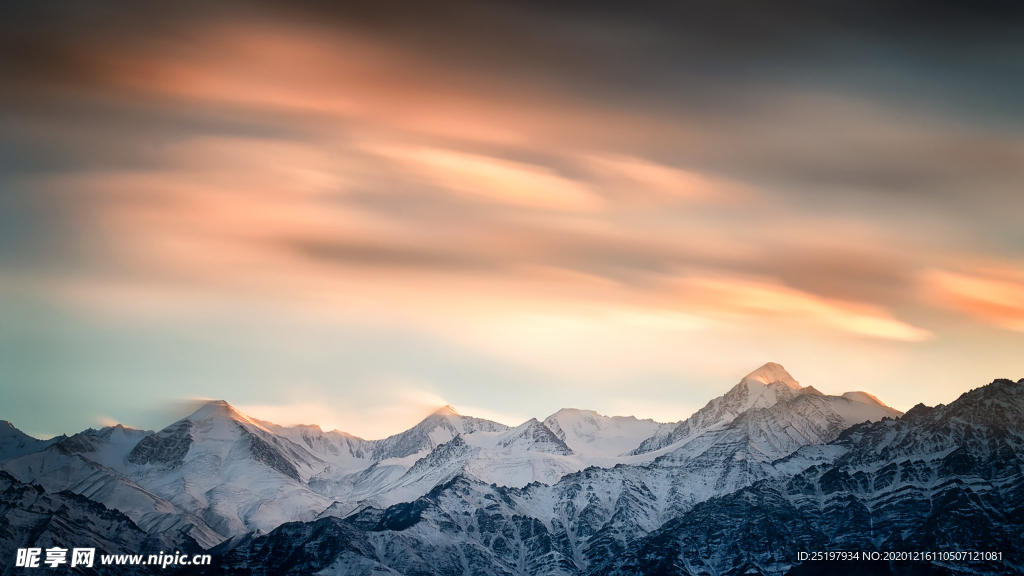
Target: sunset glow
x: 352, y: 216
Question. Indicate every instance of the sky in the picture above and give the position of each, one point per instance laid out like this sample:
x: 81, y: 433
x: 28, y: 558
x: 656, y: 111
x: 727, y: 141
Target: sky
x: 352, y: 213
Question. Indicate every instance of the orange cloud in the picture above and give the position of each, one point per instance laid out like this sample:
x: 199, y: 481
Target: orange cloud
x: 505, y: 181
x: 324, y: 79
x: 763, y: 298
x: 997, y: 298
x: 291, y: 218
x: 408, y: 402
x: 641, y: 177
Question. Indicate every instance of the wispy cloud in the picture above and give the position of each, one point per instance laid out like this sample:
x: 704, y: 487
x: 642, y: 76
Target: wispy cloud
x: 495, y: 179
x: 994, y: 296
x: 573, y: 193
x: 405, y: 406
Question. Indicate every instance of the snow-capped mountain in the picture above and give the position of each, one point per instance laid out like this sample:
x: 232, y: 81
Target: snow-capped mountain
x: 108, y: 446
x: 588, y: 433
x: 232, y: 471
x: 589, y: 515
x: 576, y: 493
x: 211, y: 475
x: 448, y: 445
x: 340, y: 449
x: 596, y: 513
x: 436, y: 429
x: 222, y: 473
x: 947, y: 478
x: 33, y: 517
x: 76, y: 465
x: 384, y: 472
x: 766, y: 416
x: 14, y: 442
x: 766, y: 387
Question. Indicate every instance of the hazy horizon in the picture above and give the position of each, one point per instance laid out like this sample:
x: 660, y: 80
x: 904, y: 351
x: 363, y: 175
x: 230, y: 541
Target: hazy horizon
x: 186, y: 407
x: 354, y: 213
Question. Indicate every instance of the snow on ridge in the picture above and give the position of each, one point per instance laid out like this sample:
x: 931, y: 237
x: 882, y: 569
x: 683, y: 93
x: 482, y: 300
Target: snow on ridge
x: 14, y: 442
x: 250, y: 474
x: 771, y: 373
x: 589, y: 433
x: 764, y: 389
x: 864, y: 398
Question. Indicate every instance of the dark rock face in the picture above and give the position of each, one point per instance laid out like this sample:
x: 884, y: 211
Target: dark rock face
x: 30, y: 517
x: 300, y: 548
x: 81, y: 443
x: 404, y: 541
x: 949, y: 478
x: 539, y: 438
x: 265, y: 452
x: 450, y: 451
x: 167, y: 447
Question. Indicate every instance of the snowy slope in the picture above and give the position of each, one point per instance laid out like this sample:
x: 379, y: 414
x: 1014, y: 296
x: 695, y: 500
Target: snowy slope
x: 225, y: 466
x: 340, y: 449
x: 763, y: 388
x: 485, y: 450
x: 221, y: 473
x: 108, y: 446
x: 588, y: 433
x: 597, y: 512
x: 213, y: 474
x: 14, y: 442
x: 436, y: 429
x: 945, y: 478
x: 33, y: 517
x: 382, y: 464
x: 726, y: 445
x: 58, y: 469
x: 93, y: 463
x: 490, y: 452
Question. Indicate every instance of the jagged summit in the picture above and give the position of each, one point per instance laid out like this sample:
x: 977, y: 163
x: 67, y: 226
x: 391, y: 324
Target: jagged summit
x: 773, y: 400
x: 944, y: 475
x: 564, y: 495
x: 14, y: 442
x: 771, y: 373
x: 533, y: 435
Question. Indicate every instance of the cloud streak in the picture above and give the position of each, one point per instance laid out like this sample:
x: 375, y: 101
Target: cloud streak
x: 531, y: 185
x: 996, y: 297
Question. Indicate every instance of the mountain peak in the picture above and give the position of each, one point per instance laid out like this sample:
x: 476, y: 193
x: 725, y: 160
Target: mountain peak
x: 864, y: 398
x: 771, y: 373
x: 8, y: 429
x: 568, y: 411
x: 534, y: 436
x: 218, y: 408
x: 447, y: 410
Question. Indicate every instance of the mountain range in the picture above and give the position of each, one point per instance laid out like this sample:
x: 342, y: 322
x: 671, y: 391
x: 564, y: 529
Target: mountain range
x: 767, y: 470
